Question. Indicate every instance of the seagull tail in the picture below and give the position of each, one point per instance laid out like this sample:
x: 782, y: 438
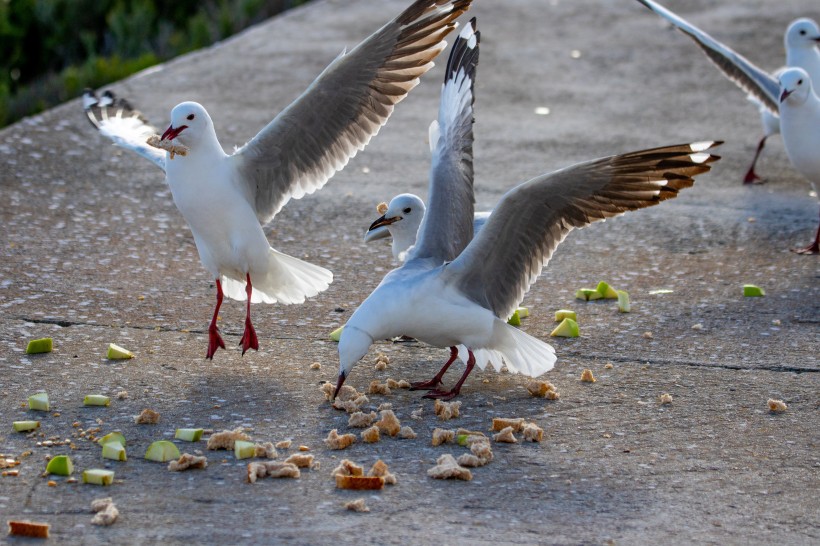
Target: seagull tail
x: 521, y: 352
x: 285, y: 280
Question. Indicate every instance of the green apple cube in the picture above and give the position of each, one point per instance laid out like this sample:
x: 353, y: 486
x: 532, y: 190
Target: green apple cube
x: 38, y: 402
x: 588, y: 294
x: 243, y: 449
x: 115, y: 352
x: 36, y: 346
x: 515, y: 319
x: 561, y: 314
x: 188, y: 434
x: 752, y: 291
x: 25, y: 426
x: 60, y: 465
x: 336, y: 334
x: 523, y: 312
x: 461, y: 439
x: 162, y: 451
x: 623, y: 302
x: 567, y: 328
x: 98, y: 476
x: 606, y: 291
x: 112, y: 437
x: 114, y: 451
x: 96, y: 400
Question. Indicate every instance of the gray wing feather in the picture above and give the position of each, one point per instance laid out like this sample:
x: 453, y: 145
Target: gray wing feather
x: 507, y: 255
x: 297, y: 152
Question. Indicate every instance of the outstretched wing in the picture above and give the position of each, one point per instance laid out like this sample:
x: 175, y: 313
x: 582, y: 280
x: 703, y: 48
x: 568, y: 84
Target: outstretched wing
x: 335, y: 118
x: 501, y: 263
x: 116, y: 119
x: 447, y: 226
x: 760, y: 85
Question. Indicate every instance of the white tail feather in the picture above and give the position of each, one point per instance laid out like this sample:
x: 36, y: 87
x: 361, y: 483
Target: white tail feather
x: 521, y: 352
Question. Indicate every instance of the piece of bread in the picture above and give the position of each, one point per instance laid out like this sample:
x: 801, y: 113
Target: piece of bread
x: 347, y: 468
x: 284, y: 444
x: 587, y: 377
x: 147, y: 417
x: 380, y: 469
x: 540, y: 388
x: 377, y: 387
x: 272, y: 469
x: 106, y: 514
x: 441, y: 436
x: 266, y: 450
x: 357, y: 505
x: 505, y: 436
x: 360, y: 419
x: 665, y: 398
x: 533, y: 432
x: 389, y: 423
x: 359, y: 483
x: 446, y: 410
x: 173, y: 149
x: 301, y: 460
x: 226, y: 439
x: 776, y: 406
x: 500, y: 424
x: 407, y: 433
x: 371, y: 435
x: 351, y: 406
x: 447, y: 468
x: 335, y: 440
x: 25, y: 528
x: 187, y: 461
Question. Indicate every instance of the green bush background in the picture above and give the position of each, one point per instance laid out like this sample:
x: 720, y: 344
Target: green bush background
x: 50, y: 50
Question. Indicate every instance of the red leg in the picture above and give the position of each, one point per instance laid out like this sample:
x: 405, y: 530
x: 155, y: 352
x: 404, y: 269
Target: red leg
x: 452, y: 393
x: 751, y: 176
x: 436, y: 380
x: 214, y: 339
x: 249, y: 340
x: 813, y: 248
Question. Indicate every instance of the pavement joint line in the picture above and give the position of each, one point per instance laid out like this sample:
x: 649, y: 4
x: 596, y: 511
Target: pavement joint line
x: 695, y: 364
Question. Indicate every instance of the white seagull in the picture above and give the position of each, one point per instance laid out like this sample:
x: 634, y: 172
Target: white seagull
x: 801, y: 42
x: 457, y: 291
x: 226, y: 199
x: 401, y: 223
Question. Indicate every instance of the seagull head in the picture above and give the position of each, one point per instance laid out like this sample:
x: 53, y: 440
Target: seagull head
x: 401, y: 221
x: 795, y: 86
x: 353, y: 345
x: 802, y: 33
x: 189, y: 122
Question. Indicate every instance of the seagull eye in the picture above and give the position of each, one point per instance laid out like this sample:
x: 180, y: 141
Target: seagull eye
x: 799, y: 82
x: 190, y: 116
x: 408, y: 210
x: 802, y: 33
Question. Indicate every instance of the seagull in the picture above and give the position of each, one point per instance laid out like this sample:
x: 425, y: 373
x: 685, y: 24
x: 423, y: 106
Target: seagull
x: 801, y: 40
x: 457, y: 291
x: 401, y: 222
x: 226, y: 199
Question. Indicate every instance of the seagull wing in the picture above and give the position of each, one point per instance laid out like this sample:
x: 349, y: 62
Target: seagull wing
x: 507, y: 255
x: 116, y: 119
x: 317, y: 134
x: 761, y: 86
x: 447, y: 226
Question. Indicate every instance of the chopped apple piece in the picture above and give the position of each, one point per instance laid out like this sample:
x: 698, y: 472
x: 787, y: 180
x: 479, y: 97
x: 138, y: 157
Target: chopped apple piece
x: 38, y: 402
x: 623, y: 301
x: 60, y: 465
x: 188, y: 434
x: 114, y: 450
x: 115, y: 352
x: 588, y: 294
x: 515, y: 319
x: 243, y: 449
x: 523, y: 312
x: 25, y: 426
x: 35, y: 346
x: 606, y: 291
x: 336, y: 334
x: 162, y: 451
x: 112, y: 437
x: 567, y: 328
x: 561, y: 314
x: 96, y: 400
x: 98, y: 476
x: 752, y: 291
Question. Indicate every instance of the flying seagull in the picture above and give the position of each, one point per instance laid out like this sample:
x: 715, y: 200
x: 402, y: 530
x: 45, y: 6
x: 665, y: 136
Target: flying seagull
x: 226, y: 199
x: 458, y: 291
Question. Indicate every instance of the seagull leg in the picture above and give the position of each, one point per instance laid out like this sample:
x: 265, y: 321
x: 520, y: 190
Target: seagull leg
x: 813, y: 248
x: 249, y: 340
x: 436, y: 380
x: 751, y: 176
x: 452, y: 393
x: 214, y: 339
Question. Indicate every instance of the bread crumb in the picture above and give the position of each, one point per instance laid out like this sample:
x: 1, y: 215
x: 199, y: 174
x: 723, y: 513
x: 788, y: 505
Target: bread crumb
x: 302, y: 461
x: 347, y: 468
x: 777, y: 406
x: 587, y: 377
x: 351, y: 406
x: 359, y: 482
x: 385, y: 406
x: 167, y: 145
x: 147, y: 417
x: 666, y: 398
x: 122, y: 395
x: 303, y: 448
x: 378, y: 388
x: 608, y: 366
x: 381, y: 365
x: 226, y: 439
x: 284, y: 444
x: 381, y: 208
x: 106, y: 512
x: 187, y: 461
x: 389, y: 423
x: 272, y: 469
x: 500, y: 424
x: 446, y: 410
x: 533, y: 432
x: 407, y: 433
x: 392, y: 383
x: 266, y: 450
x: 468, y: 460
x: 416, y: 413
x: 448, y: 468
x: 482, y: 450
x: 361, y: 420
x: 505, y: 436
x: 25, y: 528
x: 540, y: 388
x: 357, y: 505
x: 336, y: 441
x: 380, y: 470
x: 697, y: 326
x: 552, y: 395
x: 381, y: 357
x: 441, y: 436
x: 316, y: 366
x: 648, y: 335
x: 345, y: 393
x: 371, y: 435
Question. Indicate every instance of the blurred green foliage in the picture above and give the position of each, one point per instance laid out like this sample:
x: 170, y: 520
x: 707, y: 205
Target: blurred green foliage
x: 51, y: 49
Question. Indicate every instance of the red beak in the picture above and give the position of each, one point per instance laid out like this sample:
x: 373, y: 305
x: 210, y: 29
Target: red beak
x: 171, y: 133
x: 784, y: 95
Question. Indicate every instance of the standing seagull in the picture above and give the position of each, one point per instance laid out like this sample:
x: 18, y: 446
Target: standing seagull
x: 801, y: 41
x: 457, y: 291
x: 226, y: 199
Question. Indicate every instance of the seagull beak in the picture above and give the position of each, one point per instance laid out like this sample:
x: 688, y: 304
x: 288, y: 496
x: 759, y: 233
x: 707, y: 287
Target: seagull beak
x: 383, y: 221
x: 784, y: 95
x: 380, y: 232
x: 172, y: 132
x: 339, y: 383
